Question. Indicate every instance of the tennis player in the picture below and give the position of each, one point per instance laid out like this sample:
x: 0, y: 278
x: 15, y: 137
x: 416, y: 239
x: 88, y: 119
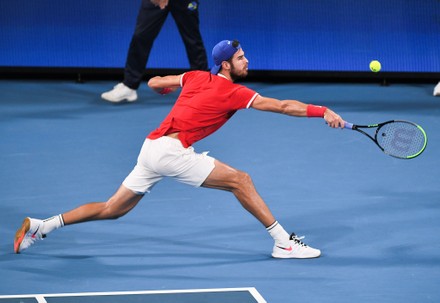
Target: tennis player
x: 207, y: 101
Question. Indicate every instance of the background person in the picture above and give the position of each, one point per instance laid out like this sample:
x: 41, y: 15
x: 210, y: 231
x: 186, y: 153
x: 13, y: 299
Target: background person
x: 151, y: 17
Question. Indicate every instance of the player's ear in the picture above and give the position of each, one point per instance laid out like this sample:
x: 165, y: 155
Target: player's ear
x: 226, y: 65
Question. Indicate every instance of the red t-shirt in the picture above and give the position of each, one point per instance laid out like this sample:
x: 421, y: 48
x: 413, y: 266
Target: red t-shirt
x: 206, y: 102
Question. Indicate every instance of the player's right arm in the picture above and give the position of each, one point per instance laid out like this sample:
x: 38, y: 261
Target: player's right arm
x: 165, y: 85
x: 286, y: 107
x: 295, y: 108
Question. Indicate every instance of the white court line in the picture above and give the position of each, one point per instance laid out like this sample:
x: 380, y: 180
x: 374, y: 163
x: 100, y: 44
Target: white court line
x: 254, y: 292
x: 40, y: 297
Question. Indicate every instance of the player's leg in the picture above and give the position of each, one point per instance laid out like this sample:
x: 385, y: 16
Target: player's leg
x: 118, y: 205
x: 138, y: 182
x: 35, y: 229
x: 199, y: 169
x: 240, y: 184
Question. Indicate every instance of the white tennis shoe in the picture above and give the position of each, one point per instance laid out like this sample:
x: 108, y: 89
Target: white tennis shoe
x: 295, y: 249
x: 27, y: 234
x: 437, y: 90
x: 120, y: 93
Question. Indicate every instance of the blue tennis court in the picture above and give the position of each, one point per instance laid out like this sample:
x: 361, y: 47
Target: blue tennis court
x: 375, y: 218
x: 231, y: 295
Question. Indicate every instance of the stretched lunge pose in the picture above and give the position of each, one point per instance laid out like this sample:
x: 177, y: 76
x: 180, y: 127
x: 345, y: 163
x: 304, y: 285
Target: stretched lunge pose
x: 206, y: 102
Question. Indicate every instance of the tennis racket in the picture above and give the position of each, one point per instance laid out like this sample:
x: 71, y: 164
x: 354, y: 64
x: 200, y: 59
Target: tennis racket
x: 397, y: 138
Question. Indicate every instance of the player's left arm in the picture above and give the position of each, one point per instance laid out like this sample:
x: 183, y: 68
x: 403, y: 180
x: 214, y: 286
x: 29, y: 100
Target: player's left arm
x: 298, y: 109
x: 165, y: 85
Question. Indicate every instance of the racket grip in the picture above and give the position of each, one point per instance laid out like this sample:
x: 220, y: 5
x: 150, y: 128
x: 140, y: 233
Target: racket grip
x: 348, y: 125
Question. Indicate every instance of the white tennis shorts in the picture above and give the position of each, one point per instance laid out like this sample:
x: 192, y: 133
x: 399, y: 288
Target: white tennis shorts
x: 166, y: 157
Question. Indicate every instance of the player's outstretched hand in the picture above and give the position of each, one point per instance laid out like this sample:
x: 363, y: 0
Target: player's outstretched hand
x: 333, y: 119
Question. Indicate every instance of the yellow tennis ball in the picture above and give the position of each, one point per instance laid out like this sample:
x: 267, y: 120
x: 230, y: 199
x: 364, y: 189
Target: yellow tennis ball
x: 375, y: 66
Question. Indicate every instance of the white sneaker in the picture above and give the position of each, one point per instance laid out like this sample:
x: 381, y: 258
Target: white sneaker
x: 437, y: 90
x: 120, y: 93
x: 295, y: 250
x: 27, y: 234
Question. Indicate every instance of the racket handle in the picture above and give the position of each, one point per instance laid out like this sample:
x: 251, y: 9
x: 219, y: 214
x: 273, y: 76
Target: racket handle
x: 348, y: 125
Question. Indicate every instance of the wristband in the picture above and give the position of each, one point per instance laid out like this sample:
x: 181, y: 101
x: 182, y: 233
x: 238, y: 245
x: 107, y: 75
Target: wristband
x: 165, y: 91
x: 315, y: 111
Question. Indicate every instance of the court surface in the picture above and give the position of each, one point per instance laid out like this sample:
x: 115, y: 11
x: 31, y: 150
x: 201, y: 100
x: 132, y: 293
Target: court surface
x: 230, y: 295
x: 375, y: 218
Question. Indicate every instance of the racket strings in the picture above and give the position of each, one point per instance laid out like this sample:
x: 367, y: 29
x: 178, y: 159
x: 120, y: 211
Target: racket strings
x: 401, y: 139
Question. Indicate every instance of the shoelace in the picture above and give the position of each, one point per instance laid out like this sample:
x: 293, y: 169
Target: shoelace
x: 28, y: 241
x: 298, y: 240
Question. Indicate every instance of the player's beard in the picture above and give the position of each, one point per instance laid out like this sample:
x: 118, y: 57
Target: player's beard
x: 238, y: 74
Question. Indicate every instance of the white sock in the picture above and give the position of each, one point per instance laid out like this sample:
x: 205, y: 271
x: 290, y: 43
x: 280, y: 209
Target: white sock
x: 52, y: 223
x: 278, y: 233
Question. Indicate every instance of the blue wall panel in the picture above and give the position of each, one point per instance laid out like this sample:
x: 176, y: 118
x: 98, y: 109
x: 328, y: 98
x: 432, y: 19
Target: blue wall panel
x: 314, y: 35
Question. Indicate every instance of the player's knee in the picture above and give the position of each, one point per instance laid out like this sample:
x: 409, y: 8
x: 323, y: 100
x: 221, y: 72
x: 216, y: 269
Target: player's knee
x: 243, y: 179
x: 112, y: 213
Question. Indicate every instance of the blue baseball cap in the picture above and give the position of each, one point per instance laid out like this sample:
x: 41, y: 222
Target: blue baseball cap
x: 223, y: 51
